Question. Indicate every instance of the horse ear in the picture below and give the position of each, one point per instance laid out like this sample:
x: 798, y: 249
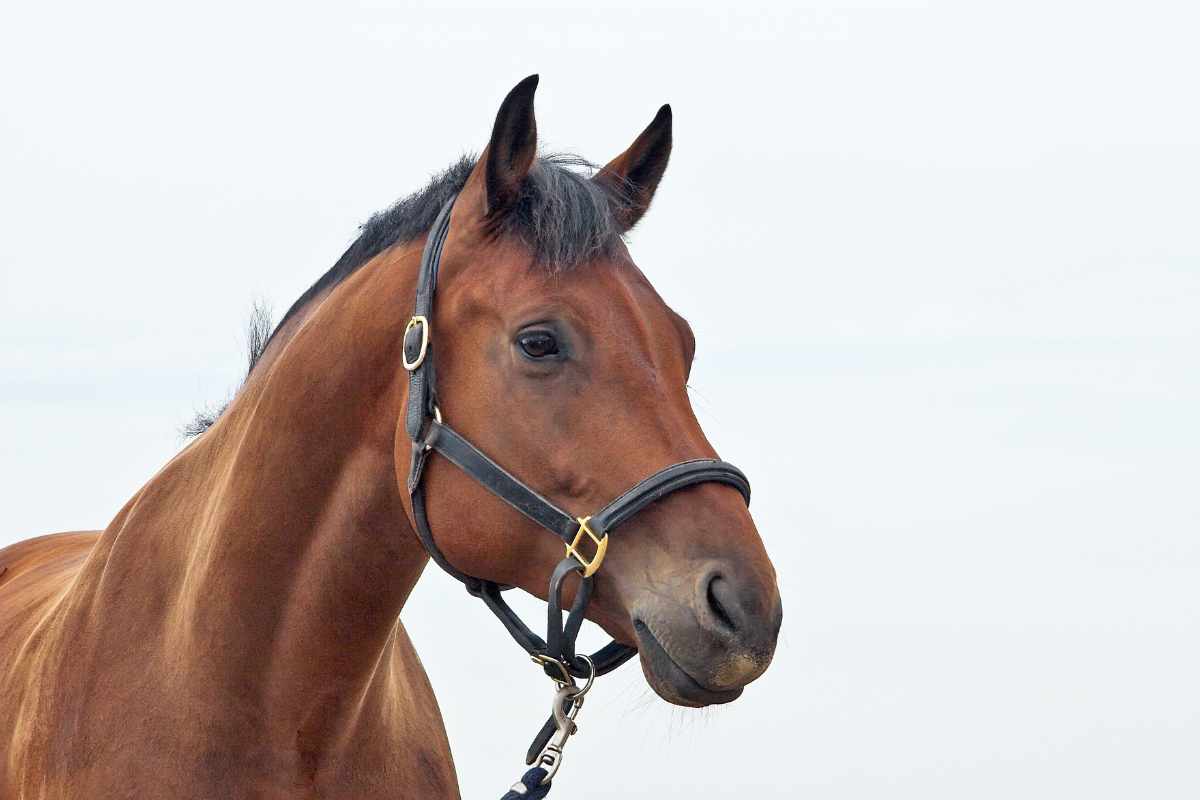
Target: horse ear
x: 510, y: 152
x: 632, y: 177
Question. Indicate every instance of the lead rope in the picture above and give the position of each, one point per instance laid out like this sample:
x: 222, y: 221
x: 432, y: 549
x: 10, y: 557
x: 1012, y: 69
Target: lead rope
x: 530, y: 787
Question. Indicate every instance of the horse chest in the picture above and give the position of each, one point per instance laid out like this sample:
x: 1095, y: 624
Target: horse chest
x: 92, y: 725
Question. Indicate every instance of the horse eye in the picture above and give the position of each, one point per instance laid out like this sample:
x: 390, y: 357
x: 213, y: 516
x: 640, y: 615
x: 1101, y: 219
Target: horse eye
x: 538, y: 344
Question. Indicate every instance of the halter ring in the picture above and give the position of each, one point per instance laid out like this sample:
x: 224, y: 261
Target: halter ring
x: 591, y: 678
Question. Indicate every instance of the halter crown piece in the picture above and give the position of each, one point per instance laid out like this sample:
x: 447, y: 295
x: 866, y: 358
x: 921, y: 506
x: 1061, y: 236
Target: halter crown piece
x: 585, y: 537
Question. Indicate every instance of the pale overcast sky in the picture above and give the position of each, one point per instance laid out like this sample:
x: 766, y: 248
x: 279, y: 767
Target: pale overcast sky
x: 942, y: 261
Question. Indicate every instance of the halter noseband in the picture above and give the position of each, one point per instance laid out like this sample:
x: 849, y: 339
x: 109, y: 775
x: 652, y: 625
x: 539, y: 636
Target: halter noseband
x: 429, y: 434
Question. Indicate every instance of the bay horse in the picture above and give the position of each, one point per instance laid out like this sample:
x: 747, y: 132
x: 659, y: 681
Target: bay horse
x: 235, y: 631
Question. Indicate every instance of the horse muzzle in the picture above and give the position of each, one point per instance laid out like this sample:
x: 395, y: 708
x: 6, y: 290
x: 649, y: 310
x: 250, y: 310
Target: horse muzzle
x: 701, y: 646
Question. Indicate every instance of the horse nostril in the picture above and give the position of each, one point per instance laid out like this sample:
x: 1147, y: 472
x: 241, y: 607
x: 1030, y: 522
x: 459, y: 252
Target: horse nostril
x: 718, y: 588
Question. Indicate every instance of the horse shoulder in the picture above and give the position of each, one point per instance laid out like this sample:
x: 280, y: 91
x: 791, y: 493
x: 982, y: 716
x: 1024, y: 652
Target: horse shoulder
x: 398, y: 747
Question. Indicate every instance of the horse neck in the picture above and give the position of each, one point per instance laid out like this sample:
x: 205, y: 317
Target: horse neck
x: 277, y: 542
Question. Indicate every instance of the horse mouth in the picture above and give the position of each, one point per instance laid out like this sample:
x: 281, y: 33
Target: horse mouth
x: 669, y: 680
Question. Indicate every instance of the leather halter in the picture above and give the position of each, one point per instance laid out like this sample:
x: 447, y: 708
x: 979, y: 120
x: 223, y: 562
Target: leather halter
x: 429, y: 434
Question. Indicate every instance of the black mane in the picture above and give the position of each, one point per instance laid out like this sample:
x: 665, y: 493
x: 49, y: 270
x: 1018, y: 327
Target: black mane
x: 563, y: 217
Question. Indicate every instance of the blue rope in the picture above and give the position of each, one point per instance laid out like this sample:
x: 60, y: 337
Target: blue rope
x: 530, y: 787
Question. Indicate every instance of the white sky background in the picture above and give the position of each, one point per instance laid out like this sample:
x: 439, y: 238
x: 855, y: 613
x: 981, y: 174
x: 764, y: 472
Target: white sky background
x: 942, y: 261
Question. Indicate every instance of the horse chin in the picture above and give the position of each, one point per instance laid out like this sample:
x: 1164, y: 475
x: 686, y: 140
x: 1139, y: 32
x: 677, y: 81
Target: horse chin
x: 672, y: 682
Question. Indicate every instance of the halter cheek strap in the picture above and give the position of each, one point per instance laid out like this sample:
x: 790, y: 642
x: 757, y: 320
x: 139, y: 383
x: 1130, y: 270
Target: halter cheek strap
x: 586, y: 538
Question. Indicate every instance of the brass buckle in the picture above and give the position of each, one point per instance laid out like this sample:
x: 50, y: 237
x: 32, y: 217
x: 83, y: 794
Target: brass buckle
x: 420, y: 359
x: 544, y: 660
x: 589, y: 565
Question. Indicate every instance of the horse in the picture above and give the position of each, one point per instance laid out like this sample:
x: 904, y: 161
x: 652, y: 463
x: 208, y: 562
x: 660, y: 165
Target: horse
x: 236, y: 629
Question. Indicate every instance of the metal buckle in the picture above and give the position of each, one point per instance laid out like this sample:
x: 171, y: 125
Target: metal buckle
x: 420, y: 359
x: 437, y: 416
x: 589, y: 565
